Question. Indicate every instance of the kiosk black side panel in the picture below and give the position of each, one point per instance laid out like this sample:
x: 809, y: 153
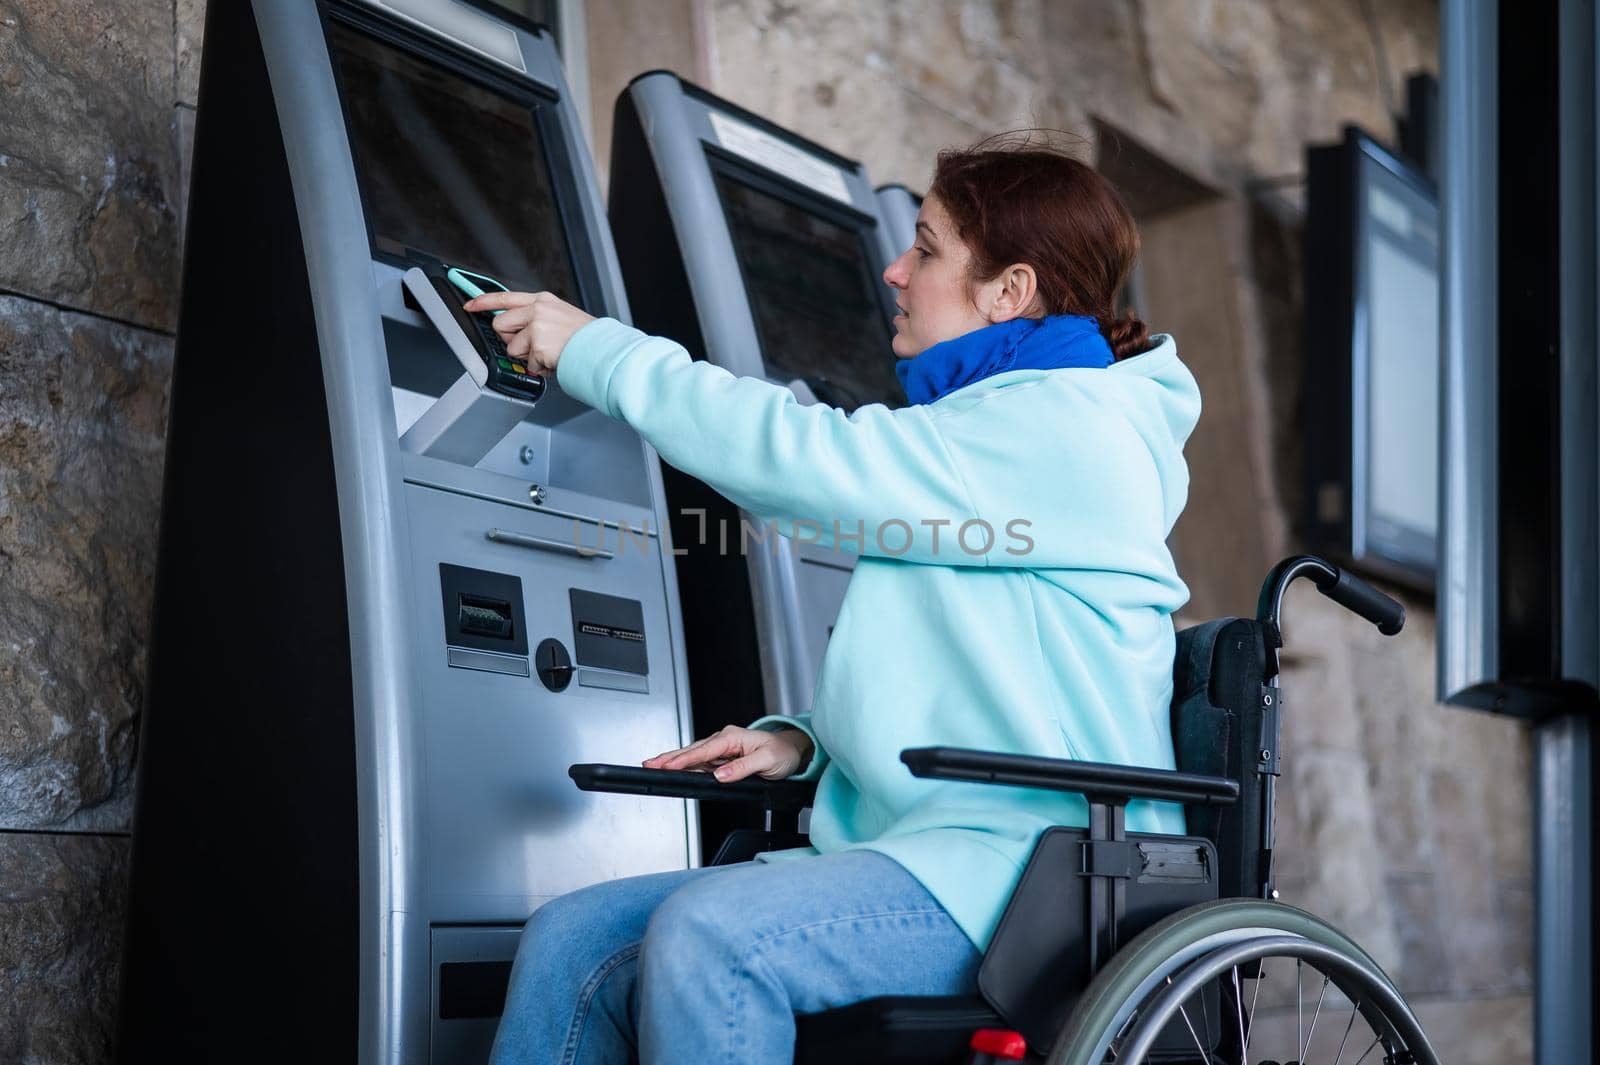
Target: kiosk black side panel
x: 243, y: 932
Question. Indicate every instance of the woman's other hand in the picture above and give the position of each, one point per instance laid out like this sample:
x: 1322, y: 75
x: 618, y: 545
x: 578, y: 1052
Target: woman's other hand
x: 535, y: 325
x: 735, y: 753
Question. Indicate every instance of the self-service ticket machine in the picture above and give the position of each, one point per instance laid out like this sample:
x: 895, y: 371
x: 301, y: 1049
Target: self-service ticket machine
x: 402, y: 584
x: 763, y: 253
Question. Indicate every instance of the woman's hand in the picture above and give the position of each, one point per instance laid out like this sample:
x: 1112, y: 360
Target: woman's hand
x: 735, y: 753
x: 535, y: 325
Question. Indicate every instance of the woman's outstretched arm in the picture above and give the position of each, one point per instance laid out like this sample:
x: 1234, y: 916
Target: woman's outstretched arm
x: 879, y: 481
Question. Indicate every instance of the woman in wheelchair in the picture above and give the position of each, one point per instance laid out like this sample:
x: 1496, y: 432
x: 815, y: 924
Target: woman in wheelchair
x: 1014, y: 593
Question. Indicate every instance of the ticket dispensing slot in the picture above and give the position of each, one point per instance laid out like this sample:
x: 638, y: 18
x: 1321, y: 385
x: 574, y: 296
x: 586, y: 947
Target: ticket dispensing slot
x: 484, y: 626
x: 483, y: 616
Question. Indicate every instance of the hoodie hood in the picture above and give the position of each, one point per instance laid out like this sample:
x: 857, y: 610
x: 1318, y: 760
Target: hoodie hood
x: 1088, y: 462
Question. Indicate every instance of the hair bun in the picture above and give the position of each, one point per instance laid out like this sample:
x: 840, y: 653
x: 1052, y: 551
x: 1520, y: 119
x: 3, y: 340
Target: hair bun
x: 1127, y: 335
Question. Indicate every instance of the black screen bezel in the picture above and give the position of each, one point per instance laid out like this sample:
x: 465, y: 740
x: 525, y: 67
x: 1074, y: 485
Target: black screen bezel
x: 540, y: 100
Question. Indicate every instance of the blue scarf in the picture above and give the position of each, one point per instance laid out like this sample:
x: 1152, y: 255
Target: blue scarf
x: 1052, y: 343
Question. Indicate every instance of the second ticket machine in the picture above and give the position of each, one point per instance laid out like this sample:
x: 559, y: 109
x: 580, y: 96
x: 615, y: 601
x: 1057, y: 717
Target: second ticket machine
x: 402, y: 584
x: 762, y: 252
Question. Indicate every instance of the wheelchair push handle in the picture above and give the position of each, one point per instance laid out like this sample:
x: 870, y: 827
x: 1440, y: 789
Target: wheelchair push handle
x: 1355, y: 594
x: 1343, y: 587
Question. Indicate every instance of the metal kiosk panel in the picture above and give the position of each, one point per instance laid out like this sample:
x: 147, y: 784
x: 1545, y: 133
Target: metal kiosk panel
x: 761, y: 252
x: 353, y: 783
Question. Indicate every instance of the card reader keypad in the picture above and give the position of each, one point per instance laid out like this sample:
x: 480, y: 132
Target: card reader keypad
x: 492, y: 339
x: 506, y: 375
x: 483, y: 321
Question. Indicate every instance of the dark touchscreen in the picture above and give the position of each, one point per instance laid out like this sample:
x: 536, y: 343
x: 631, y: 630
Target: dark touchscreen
x: 814, y: 297
x: 451, y: 169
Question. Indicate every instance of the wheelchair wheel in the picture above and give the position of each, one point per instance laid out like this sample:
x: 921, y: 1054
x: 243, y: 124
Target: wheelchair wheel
x: 1283, y: 987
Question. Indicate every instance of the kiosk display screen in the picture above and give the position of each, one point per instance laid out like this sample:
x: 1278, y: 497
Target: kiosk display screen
x: 813, y: 295
x: 451, y: 169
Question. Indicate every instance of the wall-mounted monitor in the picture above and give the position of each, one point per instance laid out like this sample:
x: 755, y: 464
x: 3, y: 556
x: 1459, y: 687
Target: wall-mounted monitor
x: 1370, y: 407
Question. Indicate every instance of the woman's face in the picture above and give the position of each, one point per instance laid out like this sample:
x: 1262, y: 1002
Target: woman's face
x: 935, y: 298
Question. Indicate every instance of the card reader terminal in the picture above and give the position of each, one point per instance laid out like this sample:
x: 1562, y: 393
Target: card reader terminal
x: 441, y: 293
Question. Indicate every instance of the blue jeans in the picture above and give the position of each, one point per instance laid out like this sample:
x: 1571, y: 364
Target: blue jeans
x: 709, y: 966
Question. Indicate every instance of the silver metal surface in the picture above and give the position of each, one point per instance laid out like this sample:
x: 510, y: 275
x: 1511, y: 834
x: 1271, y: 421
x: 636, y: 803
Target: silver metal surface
x: 498, y: 747
x: 793, y: 614
x: 1563, y: 878
x: 467, y: 658
x: 613, y: 681
x: 1468, y: 596
x: 1579, y: 402
x: 539, y: 543
x: 465, y: 813
x: 394, y: 949
x: 467, y: 1039
x: 1563, y: 746
x: 464, y: 424
x: 570, y: 503
x: 462, y: 25
x: 427, y: 298
x: 1469, y: 592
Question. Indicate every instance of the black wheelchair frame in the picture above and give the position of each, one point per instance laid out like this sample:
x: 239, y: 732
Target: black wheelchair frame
x: 1043, y: 975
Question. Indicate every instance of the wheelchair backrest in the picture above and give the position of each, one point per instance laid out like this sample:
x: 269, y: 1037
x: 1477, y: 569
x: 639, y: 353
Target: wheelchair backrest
x: 1219, y: 686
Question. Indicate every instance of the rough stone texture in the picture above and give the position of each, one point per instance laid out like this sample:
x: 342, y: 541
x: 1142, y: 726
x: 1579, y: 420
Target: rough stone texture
x: 1228, y: 488
x: 626, y: 38
x: 88, y: 170
x: 1226, y: 90
x: 83, y: 407
x: 183, y: 123
x: 1406, y: 823
x: 190, y: 18
x: 63, y: 903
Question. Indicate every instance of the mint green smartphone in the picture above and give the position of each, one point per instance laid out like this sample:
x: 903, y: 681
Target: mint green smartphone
x: 463, y: 280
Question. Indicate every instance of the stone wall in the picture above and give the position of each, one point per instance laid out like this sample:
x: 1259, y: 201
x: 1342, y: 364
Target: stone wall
x: 1393, y: 823
x: 90, y: 183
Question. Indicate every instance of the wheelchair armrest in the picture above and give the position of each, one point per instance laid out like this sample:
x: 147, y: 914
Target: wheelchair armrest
x: 636, y: 780
x: 1097, y: 781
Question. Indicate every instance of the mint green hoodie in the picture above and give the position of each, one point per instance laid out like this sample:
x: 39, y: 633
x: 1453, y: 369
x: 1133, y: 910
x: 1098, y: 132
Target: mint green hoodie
x: 1049, y: 635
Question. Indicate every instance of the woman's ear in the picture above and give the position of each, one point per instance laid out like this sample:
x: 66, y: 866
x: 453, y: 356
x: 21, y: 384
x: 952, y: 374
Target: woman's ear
x: 1013, y: 289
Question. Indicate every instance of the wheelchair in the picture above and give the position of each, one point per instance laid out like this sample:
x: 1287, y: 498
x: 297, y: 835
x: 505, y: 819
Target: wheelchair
x: 1129, y: 947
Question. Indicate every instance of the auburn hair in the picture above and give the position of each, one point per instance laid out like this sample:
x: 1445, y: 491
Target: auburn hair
x: 1021, y: 202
